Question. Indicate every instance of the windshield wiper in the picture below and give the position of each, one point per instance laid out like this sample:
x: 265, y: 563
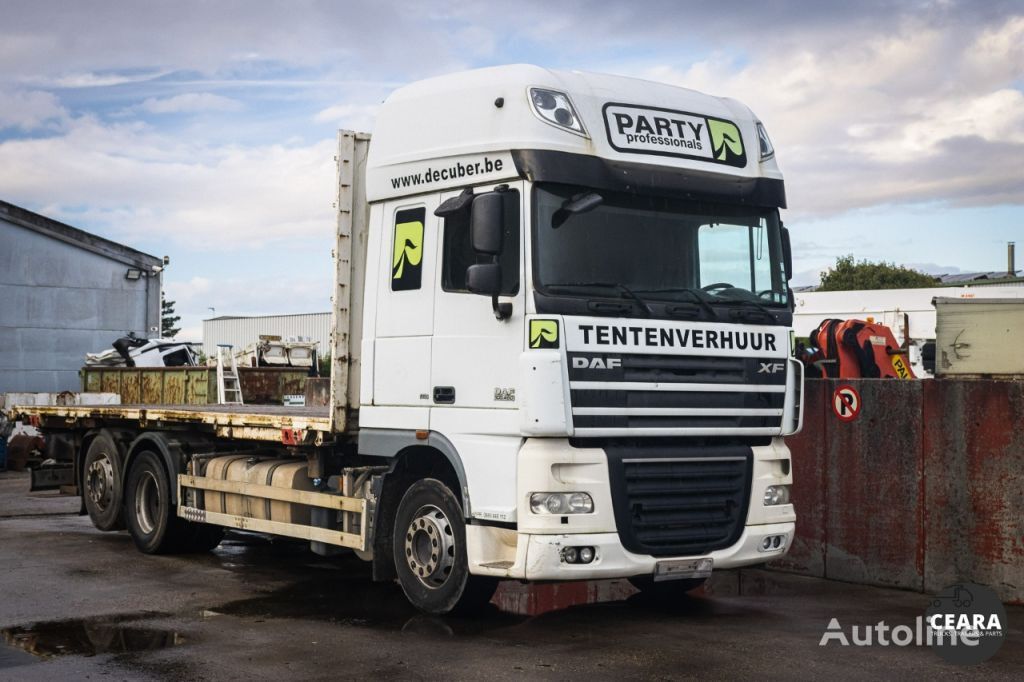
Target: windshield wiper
x: 746, y: 301
x: 629, y: 293
x: 695, y: 293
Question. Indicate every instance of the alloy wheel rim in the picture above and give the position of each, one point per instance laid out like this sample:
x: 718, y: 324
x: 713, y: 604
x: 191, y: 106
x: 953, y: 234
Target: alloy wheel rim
x: 430, y: 546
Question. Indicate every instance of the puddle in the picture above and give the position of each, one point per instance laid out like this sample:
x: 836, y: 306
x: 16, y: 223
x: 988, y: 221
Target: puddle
x: 110, y: 635
x: 357, y: 601
x: 9, y: 658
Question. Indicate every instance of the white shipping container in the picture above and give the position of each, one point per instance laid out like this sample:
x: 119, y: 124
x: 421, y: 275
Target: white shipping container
x: 979, y: 336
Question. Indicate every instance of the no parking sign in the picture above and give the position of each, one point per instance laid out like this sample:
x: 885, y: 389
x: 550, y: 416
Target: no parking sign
x: 846, y: 403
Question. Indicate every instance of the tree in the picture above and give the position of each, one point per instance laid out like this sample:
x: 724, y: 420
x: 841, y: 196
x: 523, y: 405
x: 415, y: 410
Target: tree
x: 849, y: 275
x: 168, y: 319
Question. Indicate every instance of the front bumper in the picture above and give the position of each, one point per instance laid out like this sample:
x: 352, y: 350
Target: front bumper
x: 533, y: 551
x: 612, y: 560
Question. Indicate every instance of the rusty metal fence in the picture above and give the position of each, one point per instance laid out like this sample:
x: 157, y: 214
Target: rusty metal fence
x: 924, y: 488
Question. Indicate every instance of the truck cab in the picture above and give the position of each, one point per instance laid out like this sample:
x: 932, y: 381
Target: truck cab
x: 576, y: 288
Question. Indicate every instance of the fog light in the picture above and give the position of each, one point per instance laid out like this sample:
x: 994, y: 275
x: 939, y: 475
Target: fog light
x: 570, y: 555
x: 776, y: 494
x: 772, y: 543
x: 561, y: 503
x: 586, y: 555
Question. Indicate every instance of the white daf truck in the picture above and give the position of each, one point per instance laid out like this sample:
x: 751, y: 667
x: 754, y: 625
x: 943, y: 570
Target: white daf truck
x: 561, y: 351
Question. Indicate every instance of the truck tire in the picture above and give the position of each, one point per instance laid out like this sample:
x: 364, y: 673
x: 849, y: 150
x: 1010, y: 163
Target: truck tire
x: 667, y: 590
x: 430, y: 552
x: 102, y: 483
x: 151, y: 518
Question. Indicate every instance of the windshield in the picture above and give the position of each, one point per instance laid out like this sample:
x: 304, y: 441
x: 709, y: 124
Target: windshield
x: 655, y: 248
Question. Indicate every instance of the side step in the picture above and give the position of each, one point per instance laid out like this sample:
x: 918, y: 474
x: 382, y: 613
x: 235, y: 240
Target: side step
x: 357, y: 541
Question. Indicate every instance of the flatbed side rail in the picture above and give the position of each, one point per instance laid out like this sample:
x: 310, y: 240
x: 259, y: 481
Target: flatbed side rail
x: 239, y: 424
x: 328, y: 536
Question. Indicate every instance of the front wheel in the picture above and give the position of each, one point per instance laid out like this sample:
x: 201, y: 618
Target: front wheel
x: 430, y: 552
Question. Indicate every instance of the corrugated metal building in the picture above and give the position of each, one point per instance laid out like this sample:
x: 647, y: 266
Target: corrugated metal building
x: 64, y: 293
x: 241, y: 331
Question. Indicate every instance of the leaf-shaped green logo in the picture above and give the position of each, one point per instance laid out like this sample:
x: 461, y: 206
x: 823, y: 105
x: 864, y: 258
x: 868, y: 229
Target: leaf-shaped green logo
x: 543, y: 334
x: 726, y: 142
x: 407, y: 258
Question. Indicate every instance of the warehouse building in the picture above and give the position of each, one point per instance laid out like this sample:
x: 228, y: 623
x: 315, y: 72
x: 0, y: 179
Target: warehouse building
x: 242, y: 331
x: 64, y: 293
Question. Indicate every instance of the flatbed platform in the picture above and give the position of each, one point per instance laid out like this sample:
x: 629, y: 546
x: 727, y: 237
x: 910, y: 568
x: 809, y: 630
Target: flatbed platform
x: 276, y: 423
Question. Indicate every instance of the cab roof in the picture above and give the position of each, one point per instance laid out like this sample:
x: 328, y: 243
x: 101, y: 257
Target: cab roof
x: 488, y: 111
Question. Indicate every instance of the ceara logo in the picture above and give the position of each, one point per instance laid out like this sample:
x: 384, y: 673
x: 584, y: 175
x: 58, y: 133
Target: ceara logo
x: 407, y: 259
x: 543, y: 334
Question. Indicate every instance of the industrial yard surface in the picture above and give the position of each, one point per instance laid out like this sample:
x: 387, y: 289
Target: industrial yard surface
x: 87, y: 605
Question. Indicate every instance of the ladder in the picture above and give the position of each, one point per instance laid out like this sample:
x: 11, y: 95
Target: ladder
x: 229, y: 388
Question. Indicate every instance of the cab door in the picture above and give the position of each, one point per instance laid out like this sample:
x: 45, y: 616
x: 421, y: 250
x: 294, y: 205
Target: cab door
x: 405, y: 305
x: 475, y: 356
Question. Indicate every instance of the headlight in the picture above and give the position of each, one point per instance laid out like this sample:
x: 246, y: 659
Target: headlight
x: 561, y: 503
x: 767, y: 150
x: 776, y: 494
x: 556, y: 108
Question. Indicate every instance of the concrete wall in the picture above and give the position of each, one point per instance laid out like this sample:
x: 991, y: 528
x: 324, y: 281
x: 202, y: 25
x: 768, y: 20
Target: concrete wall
x: 242, y: 331
x: 925, y: 488
x: 59, y: 301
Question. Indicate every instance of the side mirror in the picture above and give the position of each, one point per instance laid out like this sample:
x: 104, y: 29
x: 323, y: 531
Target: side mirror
x: 787, y: 254
x: 484, y: 279
x: 487, y: 223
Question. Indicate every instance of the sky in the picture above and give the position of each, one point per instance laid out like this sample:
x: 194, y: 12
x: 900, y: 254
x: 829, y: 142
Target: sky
x: 205, y: 131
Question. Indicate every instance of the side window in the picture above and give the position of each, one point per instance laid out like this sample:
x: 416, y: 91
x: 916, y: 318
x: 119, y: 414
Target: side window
x: 407, y: 250
x: 459, y: 254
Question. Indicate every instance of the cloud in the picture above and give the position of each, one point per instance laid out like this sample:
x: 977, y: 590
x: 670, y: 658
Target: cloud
x: 95, y: 80
x: 870, y: 103
x: 29, y: 110
x: 190, y: 102
x: 350, y: 116
x: 136, y: 182
x: 924, y: 112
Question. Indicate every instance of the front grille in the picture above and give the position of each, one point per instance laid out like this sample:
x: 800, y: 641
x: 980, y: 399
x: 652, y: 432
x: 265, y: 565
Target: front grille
x: 681, y: 503
x: 612, y: 394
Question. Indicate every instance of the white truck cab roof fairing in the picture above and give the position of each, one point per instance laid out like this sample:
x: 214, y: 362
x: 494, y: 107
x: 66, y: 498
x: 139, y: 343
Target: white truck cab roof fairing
x: 481, y: 126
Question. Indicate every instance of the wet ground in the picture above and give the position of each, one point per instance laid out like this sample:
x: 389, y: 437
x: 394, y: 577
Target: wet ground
x: 78, y: 603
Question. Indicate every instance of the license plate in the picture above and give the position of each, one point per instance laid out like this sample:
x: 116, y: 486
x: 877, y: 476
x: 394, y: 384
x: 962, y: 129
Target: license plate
x: 678, y: 569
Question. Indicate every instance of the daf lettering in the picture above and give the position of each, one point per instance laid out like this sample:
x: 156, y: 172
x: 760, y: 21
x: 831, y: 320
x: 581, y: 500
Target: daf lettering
x: 596, y: 363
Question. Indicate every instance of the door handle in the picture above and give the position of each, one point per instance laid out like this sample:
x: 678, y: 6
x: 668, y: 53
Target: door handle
x: 444, y: 395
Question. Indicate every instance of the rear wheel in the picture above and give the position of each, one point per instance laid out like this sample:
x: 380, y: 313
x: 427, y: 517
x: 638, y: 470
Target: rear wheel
x: 151, y: 518
x: 102, y: 482
x: 430, y: 552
